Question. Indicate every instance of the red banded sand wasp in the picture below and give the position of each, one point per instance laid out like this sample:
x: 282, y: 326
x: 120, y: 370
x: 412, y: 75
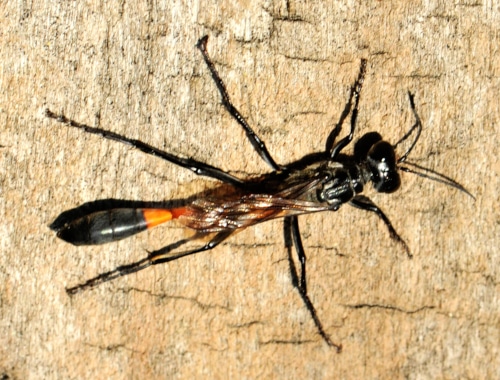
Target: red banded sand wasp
x: 321, y: 181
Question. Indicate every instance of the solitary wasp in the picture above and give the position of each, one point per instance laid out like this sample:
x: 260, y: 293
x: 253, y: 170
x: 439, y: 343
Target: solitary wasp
x: 322, y: 181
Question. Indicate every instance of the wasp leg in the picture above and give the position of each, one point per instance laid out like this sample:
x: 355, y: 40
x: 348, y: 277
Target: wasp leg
x: 157, y: 257
x: 334, y: 150
x: 297, y: 242
x: 108, y: 276
x: 196, y: 167
x: 163, y: 255
x: 257, y: 143
x: 365, y: 203
x: 292, y: 237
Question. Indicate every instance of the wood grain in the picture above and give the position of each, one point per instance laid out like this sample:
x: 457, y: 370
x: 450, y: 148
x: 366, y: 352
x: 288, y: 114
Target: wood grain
x: 132, y: 67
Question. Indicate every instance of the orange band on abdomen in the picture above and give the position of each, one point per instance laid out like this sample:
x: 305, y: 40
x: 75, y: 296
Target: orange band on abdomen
x: 156, y: 216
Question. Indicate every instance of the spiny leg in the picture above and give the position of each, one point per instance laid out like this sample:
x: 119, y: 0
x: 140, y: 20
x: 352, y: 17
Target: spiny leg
x: 292, y: 237
x: 257, y: 143
x: 366, y: 204
x: 111, y: 275
x: 355, y: 92
x: 196, y: 167
x: 163, y: 255
x: 157, y: 257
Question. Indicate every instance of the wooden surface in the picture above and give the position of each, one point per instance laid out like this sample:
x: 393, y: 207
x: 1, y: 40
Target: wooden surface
x: 132, y: 68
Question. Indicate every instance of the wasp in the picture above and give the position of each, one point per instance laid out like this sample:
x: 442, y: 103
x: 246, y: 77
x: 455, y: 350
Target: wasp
x: 322, y: 181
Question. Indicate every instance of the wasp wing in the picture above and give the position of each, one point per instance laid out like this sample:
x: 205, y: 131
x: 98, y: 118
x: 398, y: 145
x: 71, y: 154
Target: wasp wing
x: 214, y: 215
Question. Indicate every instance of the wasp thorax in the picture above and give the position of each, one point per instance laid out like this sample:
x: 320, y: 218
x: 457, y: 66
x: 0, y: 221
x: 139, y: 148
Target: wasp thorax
x: 337, y: 188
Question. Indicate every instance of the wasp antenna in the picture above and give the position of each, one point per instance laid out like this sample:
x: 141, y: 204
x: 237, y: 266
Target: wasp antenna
x: 417, y: 126
x: 435, y: 176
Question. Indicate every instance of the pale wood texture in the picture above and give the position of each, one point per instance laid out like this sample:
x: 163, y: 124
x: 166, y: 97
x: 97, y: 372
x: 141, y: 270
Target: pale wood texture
x: 233, y: 312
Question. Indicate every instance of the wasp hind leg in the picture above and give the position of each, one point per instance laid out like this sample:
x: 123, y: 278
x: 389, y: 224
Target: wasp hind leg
x: 160, y: 256
x: 196, y: 167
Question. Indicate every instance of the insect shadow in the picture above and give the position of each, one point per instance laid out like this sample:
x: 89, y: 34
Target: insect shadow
x: 321, y: 181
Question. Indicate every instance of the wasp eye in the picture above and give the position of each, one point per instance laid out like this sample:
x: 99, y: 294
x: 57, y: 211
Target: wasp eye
x: 382, y: 162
